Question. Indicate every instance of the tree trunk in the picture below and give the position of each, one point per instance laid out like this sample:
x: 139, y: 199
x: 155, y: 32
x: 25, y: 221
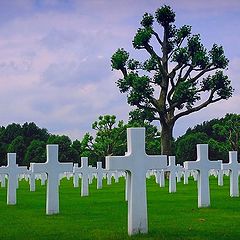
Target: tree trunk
x: 167, y: 140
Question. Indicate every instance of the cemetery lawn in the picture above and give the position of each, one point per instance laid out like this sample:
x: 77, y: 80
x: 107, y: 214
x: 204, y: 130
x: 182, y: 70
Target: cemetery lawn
x: 103, y: 215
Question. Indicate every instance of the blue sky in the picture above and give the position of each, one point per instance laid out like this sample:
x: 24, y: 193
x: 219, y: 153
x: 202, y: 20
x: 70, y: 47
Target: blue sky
x: 55, y: 56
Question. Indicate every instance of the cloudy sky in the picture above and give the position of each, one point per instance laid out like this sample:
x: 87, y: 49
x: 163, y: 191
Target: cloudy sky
x: 55, y: 56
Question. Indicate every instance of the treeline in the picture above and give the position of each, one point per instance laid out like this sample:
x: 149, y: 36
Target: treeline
x: 29, y: 141
x: 222, y: 135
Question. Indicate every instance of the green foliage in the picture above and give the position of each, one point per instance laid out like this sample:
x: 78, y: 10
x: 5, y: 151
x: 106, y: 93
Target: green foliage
x: 182, y: 33
x: 142, y: 37
x: 217, y: 57
x: 222, y: 135
x: 18, y: 146
x: 181, y: 56
x: 165, y: 15
x: 66, y: 152
x: 185, y: 93
x: 108, y: 140
x: 29, y: 143
x: 119, y: 59
x: 229, y: 130
x: 147, y: 20
x: 138, y: 88
x: 9, y: 133
x: 186, y: 146
x: 111, y: 137
x: 218, y: 83
x: 35, y: 152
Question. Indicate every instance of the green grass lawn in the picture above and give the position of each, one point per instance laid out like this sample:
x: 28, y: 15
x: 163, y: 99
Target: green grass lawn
x: 103, y: 215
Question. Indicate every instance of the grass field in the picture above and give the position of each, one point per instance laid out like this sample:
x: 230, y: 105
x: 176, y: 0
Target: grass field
x: 103, y: 215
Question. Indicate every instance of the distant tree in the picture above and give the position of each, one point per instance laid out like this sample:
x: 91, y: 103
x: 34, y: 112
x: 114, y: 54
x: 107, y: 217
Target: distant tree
x: 35, y: 152
x: 186, y: 146
x: 230, y: 130
x: 175, y: 83
x: 18, y: 146
x: 31, y: 131
x: 3, y: 154
x: 221, y: 135
x: 110, y: 136
x: 86, y: 145
x: 66, y: 152
x: 10, y: 133
x: 218, y: 150
x: 153, y: 136
x: 77, y: 148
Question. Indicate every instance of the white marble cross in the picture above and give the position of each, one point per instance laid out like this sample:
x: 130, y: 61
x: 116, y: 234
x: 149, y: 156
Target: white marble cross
x: 43, y: 178
x: 203, y: 165
x: 31, y: 177
x: 136, y: 162
x: 179, y: 172
x: 172, y: 169
x: 100, y: 171
x: 220, y: 176
x: 12, y: 170
x: 75, y: 176
x: 234, y: 167
x: 186, y: 175
x: 53, y: 168
x: 85, y: 171
x: 116, y: 175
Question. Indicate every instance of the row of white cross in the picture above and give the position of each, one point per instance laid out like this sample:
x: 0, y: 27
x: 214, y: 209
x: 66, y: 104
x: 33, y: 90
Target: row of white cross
x: 136, y: 163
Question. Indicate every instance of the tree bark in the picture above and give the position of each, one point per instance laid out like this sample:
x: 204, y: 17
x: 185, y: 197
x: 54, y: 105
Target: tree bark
x: 167, y: 140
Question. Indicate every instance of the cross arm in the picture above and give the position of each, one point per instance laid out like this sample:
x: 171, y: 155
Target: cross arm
x: 65, y: 167
x: 191, y: 165
x: 215, y: 165
x: 39, y: 167
x: 156, y: 162
x: 226, y: 166
x: 22, y: 170
x: 3, y: 170
x: 119, y: 163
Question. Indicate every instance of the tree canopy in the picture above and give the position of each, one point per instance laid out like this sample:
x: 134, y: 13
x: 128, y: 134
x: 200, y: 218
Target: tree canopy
x: 170, y: 83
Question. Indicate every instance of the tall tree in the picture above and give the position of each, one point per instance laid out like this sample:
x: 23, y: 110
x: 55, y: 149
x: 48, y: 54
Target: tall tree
x: 111, y: 138
x: 179, y: 69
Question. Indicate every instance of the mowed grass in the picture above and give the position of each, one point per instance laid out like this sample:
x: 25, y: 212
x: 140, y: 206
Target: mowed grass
x: 103, y: 215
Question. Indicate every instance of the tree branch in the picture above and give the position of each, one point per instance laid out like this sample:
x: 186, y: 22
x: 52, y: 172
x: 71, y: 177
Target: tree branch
x: 201, y: 106
x: 157, y: 37
x: 150, y: 50
x: 174, y: 50
x: 146, y: 107
x: 207, y: 69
